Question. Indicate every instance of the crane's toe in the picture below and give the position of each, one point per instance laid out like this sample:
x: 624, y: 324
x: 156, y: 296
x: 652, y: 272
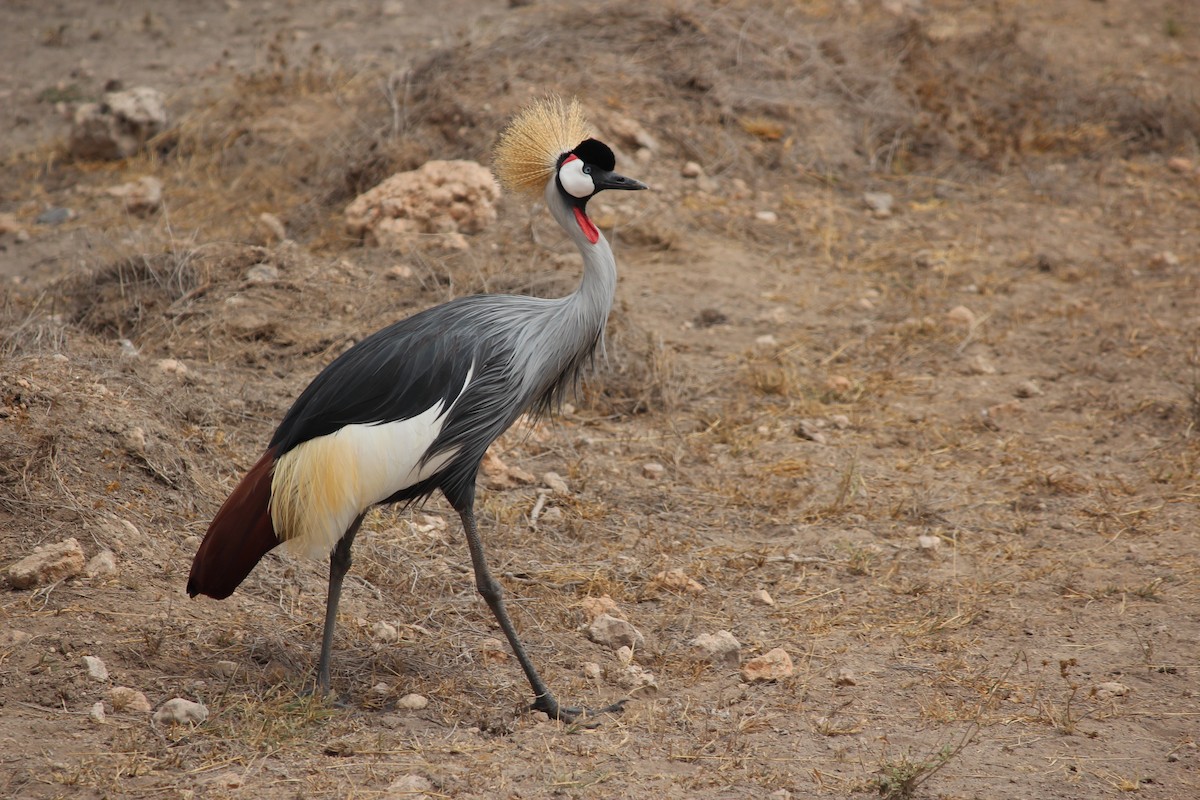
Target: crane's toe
x: 584, y: 717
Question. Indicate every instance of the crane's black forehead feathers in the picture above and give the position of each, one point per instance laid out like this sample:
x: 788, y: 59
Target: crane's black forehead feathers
x: 593, y: 151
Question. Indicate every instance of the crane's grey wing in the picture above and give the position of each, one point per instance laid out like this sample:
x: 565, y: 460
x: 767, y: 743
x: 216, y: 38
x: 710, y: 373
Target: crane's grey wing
x: 395, y: 374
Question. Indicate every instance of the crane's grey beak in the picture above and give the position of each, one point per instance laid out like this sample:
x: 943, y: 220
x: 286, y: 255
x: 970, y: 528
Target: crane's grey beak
x: 611, y: 180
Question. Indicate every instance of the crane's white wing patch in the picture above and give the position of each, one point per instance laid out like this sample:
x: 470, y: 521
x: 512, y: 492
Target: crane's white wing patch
x: 321, y: 485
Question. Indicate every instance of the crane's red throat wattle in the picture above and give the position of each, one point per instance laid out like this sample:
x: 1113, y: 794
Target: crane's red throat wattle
x: 587, y: 226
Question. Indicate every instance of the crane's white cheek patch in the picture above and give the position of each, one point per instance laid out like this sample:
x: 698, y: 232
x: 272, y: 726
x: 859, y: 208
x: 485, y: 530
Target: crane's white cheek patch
x: 574, y: 180
x: 320, y: 486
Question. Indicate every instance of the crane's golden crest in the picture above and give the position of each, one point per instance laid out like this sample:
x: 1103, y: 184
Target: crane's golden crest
x: 529, y: 148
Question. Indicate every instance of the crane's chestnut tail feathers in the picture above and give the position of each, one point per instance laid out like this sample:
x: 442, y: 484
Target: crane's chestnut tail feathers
x: 240, y: 535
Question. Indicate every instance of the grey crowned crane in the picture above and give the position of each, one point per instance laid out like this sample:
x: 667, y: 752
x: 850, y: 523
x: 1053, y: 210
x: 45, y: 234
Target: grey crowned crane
x: 411, y: 409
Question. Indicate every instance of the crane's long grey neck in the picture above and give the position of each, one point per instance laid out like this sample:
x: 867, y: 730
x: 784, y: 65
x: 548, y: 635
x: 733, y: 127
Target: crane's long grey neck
x: 590, y: 303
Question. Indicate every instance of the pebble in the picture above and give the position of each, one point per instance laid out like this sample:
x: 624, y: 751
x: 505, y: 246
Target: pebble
x: 95, y: 668
x: 766, y: 340
x: 273, y: 226
x: 1181, y: 164
x: 409, y: 787
x: 1164, y: 260
x: 762, y: 597
x: 839, y: 383
x: 880, y: 203
x: 180, y: 711
x: 769, y: 217
x: 555, y: 483
x: 381, y: 690
x: 225, y: 669
x: 845, y: 677
x: 611, y: 632
x: 10, y: 224
x: 400, y: 272
x: 594, y: 607
x: 717, y: 648
x: 122, y: 698
x: 840, y: 421
x: 384, y: 632
x: 635, y: 679
x: 412, y: 702
x: 171, y: 366
x: 1027, y: 389
x: 47, y: 564
x: 590, y: 670
x: 676, y: 580
x: 11, y: 637
x: 978, y: 365
x: 101, y: 565
x: 96, y: 714
x: 1109, y: 690
x: 54, y: 216
x: 141, y: 197
x: 262, y: 273
x: 691, y: 170
x: 653, y: 470
x: 961, y: 315
x: 929, y: 543
x: 625, y: 655
x: 494, y: 651
x: 807, y: 429
x: 770, y: 666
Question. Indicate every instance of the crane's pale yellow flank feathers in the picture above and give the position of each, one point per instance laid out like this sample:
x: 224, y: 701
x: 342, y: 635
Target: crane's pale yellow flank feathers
x: 528, y: 149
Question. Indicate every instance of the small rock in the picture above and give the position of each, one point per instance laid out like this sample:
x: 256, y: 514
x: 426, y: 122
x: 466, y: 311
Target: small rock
x: 1181, y: 164
x: 766, y: 340
x: 171, y: 366
x: 494, y: 651
x: 780, y: 794
x: 1109, y: 690
x: 11, y: 637
x: 134, y: 440
x: 691, y: 170
x: 10, y: 224
x: 225, y: 669
x: 555, y: 483
x: 384, y: 632
x: 807, y: 429
x: 769, y: 217
x: 653, y: 470
x: 710, y: 318
x: 625, y: 655
x: 273, y: 226
x: 1027, y: 389
x: 101, y: 565
x: 929, y: 543
x: 54, y: 216
x: 119, y: 126
x: 412, y: 702
x: 381, y: 690
x: 96, y: 714
x: 47, y: 564
x: 262, y: 273
x: 611, y: 632
x: 845, y: 677
x: 1164, y: 260
x: 978, y: 365
x: 676, y: 580
x: 95, y: 668
x: 123, y: 698
x: 719, y: 648
x: 961, y: 315
x: 840, y: 421
x: 770, y: 666
x: 762, y: 597
x: 141, y: 197
x: 838, y: 384
x: 179, y: 711
x: 409, y: 787
x: 880, y: 203
x: 594, y: 607
x: 590, y: 670
x: 636, y: 680
x: 400, y: 272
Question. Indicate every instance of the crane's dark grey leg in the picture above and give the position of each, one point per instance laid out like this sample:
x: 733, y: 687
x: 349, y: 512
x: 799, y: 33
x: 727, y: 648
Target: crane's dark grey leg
x: 339, y: 565
x: 493, y: 593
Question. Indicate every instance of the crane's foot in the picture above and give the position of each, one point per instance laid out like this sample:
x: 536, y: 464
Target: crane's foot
x: 584, y: 717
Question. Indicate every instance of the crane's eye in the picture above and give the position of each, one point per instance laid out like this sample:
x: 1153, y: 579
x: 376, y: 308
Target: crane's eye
x: 575, y: 179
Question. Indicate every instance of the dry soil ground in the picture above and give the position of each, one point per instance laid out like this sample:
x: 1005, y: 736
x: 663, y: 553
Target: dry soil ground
x: 957, y: 444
